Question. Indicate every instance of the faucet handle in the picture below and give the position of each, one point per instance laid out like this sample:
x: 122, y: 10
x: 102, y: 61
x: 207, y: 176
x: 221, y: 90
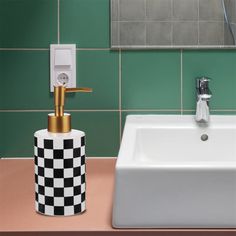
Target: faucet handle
x: 202, y: 82
x: 202, y: 86
x: 204, y: 78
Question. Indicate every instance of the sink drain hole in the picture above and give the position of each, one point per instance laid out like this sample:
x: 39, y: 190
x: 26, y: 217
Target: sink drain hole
x: 204, y: 137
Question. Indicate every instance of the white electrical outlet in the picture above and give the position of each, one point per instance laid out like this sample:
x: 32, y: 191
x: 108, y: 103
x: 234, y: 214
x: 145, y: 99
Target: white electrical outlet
x: 62, y: 65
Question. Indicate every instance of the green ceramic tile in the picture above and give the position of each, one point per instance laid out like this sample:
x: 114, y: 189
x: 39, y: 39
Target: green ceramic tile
x: 151, y: 80
x: 216, y: 64
x: 102, y: 129
x: 25, y: 80
x: 27, y: 23
x: 98, y: 70
x: 18, y: 131
x: 85, y: 22
x: 102, y: 132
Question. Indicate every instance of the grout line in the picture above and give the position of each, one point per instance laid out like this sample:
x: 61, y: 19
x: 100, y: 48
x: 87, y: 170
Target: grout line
x: 118, y: 16
x: 47, y: 49
x: 224, y: 33
x: 102, y: 110
x: 173, y: 20
x: 2, y: 111
x: 58, y: 21
x: 171, y: 47
x: 213, y: 110
x: 24, y: 49
x: 173, y: 110
x: 93, y: 49
x: 172, y: 26
x: 181, y: 81
x: 119, y: 110
x: 67, y: 110
x: 111, y: 22
x: 188, y: 110
x: 150, y: 110
x: 120, y: 93
x: 223, y: 19
x: 221, y: 110
x: 138, y: 47
x: 145, y: 8
x: 198, y: 25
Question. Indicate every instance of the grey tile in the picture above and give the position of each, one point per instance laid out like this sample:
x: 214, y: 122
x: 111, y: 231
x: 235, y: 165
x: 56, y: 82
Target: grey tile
x: 228, y: 36
x: 233, y: 27
x: 233, y: 11
x: 114, y: 33
x: 114, y: 10
x: 159, y: 9
x: 132, y: 10
x: 211, y: 33
x: 185, y: 9
x: 185, y: 33
x: 159, y: 33
x: 210, y: 10
x: 230, y: 6
x: 132, y: 33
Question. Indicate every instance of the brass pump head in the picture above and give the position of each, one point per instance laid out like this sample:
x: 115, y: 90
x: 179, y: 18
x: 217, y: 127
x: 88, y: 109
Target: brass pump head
x: 60, y: 122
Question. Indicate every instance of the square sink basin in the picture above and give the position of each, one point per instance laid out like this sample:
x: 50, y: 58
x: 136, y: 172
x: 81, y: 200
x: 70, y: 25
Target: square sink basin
x: 172, y: 172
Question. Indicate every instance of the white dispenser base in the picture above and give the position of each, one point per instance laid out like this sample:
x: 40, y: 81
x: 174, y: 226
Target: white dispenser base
x: 59, y: 172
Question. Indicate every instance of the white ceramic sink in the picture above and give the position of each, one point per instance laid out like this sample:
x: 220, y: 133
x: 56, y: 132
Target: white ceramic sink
x: 168, y: 177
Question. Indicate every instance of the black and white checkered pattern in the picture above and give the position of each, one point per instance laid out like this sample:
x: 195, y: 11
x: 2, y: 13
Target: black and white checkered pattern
x: 59, y: 175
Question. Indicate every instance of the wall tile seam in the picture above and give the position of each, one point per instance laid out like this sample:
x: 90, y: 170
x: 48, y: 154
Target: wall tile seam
x: 58, y: 21
x: 67, y: 110
x: 130, y: 49
x: 198, y: 26
x: 172, y: 27
x: 118, y: 110
x: 120, y: 94
x: 145, y: 6
x: 161, y: 21
x: 181, y: 80
x: 173, y: 110
x: 214, y: 110
x: 24, y: 49
x: 48, y: 49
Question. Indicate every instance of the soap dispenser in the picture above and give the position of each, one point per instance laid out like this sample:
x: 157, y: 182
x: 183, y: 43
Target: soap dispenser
x: 59, y: 155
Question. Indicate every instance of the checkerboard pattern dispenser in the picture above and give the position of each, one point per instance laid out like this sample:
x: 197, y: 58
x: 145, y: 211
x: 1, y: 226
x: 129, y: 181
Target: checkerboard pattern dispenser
x: 60, y: 174
x: 59, y: 157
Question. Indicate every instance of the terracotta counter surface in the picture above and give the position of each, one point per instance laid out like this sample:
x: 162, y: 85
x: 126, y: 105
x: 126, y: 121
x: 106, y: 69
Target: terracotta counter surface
x: 17, y: 214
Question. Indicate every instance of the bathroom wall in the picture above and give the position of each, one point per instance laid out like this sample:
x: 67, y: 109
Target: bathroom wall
x: 124, y: 82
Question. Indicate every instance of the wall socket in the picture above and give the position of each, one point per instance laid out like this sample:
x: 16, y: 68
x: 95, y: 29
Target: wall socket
x: 62, y: 65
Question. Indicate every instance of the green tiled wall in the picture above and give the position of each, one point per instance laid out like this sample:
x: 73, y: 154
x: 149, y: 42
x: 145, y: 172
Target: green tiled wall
x: 124, y: 82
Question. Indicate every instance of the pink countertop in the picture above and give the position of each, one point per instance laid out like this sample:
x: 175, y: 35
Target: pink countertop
x: 17, y: 212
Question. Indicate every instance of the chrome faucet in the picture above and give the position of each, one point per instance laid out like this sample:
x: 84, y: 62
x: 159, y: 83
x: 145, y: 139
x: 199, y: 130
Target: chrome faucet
x: 203, y: 97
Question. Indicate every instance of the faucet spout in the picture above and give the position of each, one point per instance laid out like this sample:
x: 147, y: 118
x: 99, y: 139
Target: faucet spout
x: 202, y: 111
x: 203, y: 97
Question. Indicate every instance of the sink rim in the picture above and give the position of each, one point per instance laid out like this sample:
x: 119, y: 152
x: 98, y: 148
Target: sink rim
x: 135, y: 122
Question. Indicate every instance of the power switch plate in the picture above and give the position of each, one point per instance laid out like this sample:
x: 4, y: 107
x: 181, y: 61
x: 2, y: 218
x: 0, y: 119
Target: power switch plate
x: 62, y: 65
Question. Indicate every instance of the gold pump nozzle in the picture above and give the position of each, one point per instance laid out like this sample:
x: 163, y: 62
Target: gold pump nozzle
x: 60, y: 122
